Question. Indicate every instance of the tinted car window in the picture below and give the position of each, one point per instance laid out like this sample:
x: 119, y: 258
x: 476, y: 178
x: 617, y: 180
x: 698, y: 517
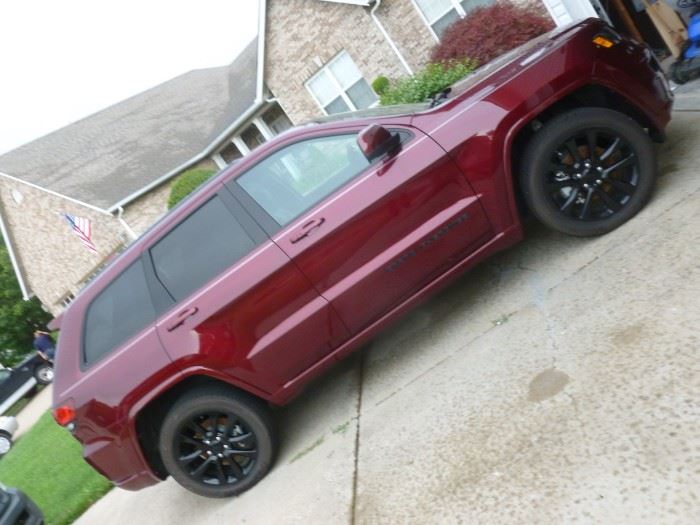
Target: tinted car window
x: 202, y: 246
x: 292, y: 180
x: 119, y: 312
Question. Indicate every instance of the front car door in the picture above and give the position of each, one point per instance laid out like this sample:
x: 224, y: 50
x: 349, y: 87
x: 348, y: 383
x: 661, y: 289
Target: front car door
x: 368, y: 235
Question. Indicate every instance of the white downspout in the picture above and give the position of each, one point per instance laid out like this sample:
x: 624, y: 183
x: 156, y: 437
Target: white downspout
x: 125, y: 225
x: 373, y: 14
x: 13, y: 260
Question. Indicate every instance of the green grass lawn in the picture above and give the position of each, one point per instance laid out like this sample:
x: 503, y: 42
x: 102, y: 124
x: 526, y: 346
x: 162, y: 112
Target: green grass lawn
x: 47, y: 464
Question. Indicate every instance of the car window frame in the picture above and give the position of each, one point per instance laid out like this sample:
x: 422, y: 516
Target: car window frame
x: 163, y: 300
x: 84, y: 363
x: 262, y: 217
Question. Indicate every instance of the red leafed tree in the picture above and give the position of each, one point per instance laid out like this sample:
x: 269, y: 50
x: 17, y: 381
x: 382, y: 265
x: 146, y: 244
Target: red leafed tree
x: 490, y: 31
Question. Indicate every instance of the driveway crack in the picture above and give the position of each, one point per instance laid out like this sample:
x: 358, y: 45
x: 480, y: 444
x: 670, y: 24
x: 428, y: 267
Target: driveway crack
x: 353, y: 508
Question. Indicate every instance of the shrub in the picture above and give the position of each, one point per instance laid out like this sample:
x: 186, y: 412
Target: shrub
x: 380, y: 85
x: 186, y: 183
x: 426, y: 83
x: 488, y: 32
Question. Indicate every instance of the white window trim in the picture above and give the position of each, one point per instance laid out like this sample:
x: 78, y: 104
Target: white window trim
x: 326, y: 70
x: 265, y: 131
x: 242, y: 146
x: 219, y: 161
x: 455, y: 5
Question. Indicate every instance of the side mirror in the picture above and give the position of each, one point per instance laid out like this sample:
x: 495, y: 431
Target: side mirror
x: 375, y: 141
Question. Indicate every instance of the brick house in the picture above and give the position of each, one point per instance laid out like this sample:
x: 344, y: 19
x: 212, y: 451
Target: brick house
x: 311, y: 57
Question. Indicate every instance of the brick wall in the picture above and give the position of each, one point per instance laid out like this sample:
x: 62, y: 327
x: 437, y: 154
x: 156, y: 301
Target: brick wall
x: 53, y: 259
x: 301, y: 32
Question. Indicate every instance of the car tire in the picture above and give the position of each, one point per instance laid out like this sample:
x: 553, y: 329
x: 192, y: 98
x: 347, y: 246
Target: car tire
x: 43, y: 374
x: 217, y: 442
x: 5, y: 442
x: 588, y: 171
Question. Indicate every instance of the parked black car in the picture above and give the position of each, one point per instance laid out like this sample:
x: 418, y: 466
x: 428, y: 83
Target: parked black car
x: 18, y: 381
x: 16, y: 508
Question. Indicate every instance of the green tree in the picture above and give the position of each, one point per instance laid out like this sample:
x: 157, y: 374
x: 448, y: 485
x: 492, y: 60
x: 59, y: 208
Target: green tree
x: 18, y: 318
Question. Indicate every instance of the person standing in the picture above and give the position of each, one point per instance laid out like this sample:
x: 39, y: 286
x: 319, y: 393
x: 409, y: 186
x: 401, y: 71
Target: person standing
x: 44, y: 345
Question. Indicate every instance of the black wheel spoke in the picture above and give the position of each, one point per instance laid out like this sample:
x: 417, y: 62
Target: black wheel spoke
x: 189, y: 458
x: 191, y: 441
x: 568, y: 205
x: 592, y: 140
x: 236, y: 469
x: 559, y: 184
x: 199, y: 471
x: 238, y: 439
x: 251, y: 453
x: 220, y: 473
x: 611, y: 149
x: 624, y: 187
x: 573, y: 149
x: 586, y: 205
x: 556, y: 167
x: 197, y: 427
x: 620, y: 164
x: 230, y: 423
x: 609, y: 202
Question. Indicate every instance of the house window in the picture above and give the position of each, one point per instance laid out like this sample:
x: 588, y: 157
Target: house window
x: 439, y: 14
x: 340, y: 87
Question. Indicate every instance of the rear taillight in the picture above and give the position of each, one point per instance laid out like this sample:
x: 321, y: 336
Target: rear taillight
x: 64, y: 415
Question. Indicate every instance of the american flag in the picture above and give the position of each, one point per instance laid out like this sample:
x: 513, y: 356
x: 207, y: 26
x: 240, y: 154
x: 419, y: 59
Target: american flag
x: 81, y: 227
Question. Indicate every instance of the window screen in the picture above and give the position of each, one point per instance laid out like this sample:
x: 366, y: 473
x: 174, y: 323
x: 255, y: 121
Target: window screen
x: 339, y: 86
x: 198, y: 249
x: 119, y: 312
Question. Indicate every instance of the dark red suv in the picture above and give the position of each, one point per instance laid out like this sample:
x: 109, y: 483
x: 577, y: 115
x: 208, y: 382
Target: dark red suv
x: 291, y: 259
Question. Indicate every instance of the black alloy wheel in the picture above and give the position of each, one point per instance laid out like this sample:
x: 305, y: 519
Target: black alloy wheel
x: 588, y: 171
x: 592, y: 174
x: 216, y: 448
x: 217, y: 442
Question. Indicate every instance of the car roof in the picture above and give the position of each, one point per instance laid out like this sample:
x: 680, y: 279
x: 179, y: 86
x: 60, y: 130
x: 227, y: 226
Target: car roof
x: 376, y: 112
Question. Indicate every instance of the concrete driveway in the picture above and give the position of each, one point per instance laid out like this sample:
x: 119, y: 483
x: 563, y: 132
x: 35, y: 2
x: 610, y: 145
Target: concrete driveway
x: 558, y: 382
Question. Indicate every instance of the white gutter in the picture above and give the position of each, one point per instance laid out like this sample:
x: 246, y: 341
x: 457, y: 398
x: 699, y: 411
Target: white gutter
x: 56, y: 194
x: 125, y: 225
x: 373, y: 14
x: 250, y: 112
x: 13, y: 259
x: 262, y: 27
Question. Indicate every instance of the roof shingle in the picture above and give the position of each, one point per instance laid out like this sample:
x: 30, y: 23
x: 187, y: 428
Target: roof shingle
x: 104, y: 158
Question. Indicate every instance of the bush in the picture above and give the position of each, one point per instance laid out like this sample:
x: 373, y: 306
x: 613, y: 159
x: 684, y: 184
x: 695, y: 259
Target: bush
x: 488, y: 32
x: 426, y: 83
x: 380, y: 85
x: 187, y: 183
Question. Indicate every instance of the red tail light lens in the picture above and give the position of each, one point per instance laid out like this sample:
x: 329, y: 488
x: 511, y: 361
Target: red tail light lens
x: 64, y: 415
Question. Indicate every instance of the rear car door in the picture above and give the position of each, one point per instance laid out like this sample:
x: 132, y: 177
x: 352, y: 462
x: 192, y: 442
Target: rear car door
x: 232, y: 301
x: 368, y: 235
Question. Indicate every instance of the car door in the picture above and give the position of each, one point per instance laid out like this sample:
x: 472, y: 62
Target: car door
x: 233, y: 302
x: 368, y: 235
